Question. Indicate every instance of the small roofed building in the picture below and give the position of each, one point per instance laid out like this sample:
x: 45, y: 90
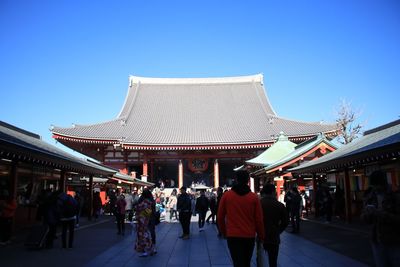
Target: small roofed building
x: 350, y: 165
x: 28, y: 166
x: 283, y: 155
x: 188, y: 130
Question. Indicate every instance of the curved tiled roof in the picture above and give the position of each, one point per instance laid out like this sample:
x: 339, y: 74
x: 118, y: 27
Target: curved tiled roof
x: 16, y: 143
x: 279, y: 149
x: 198, y: 111
x: 377, y: 144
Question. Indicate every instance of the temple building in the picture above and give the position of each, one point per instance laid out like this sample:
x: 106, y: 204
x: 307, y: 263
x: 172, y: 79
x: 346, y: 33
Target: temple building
x: 274, y: 164
x: 180, y: 131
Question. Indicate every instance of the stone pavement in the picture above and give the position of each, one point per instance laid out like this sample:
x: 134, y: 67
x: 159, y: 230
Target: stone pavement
x: 97, y: 244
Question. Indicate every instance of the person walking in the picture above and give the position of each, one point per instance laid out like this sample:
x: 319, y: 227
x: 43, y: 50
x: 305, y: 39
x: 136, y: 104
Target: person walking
x: 97, y: 204
x: 220, y: 192
x: 120, y: 211
x: 144, y: 211
x: 202, y: 205
x: 172, y: 202
x: 129, y: 207
x: 51, y: 216
x: 382, y: 210
x: 276, y: 219
x: 152, y: 220
x: 213, y: 208
x: 68, y: 209
x: 240, y: 220
x: 80, y: 202
x: 184, y: 206
x: 295, y: 208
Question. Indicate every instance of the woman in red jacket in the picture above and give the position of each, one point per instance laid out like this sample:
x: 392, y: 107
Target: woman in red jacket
x: 240, y: 219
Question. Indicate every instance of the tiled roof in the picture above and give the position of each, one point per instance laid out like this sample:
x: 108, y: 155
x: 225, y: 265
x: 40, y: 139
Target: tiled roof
x: 23, y: 145
x: 376, y: 144
x: 300, y: 150
x: 279, y: 149
x: 199, y: 111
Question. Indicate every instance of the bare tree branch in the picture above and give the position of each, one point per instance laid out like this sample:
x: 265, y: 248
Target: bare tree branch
x: 347, y: 122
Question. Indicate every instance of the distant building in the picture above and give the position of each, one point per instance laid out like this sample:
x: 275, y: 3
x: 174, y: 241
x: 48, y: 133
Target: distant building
x: 188, y: 129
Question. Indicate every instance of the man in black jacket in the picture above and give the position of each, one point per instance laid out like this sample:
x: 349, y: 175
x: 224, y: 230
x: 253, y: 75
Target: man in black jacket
x: 184, y: 207
x: 275, y: 221
x: 202, y: 205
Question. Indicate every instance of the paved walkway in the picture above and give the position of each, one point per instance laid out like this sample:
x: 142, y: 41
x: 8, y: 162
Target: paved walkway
x: 98, y: 245
x: 205, y: 249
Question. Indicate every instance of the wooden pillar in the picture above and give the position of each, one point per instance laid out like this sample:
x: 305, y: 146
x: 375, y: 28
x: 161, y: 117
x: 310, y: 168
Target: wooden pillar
x: 347, y: 195
x: 62, y: 181
x: 180, y: 174
x: 145, y: 168
x: 14, y: 180
x: 216, y: 174
x: 90, y: 206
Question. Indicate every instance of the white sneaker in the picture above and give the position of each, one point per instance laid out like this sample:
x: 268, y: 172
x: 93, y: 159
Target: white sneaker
x: 144, y: 254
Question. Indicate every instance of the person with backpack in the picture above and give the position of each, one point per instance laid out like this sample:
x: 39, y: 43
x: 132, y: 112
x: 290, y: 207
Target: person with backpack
x: 68, y: 208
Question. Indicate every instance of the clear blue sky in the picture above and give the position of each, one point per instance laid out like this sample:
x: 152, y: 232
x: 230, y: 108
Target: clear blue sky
x: 64, y: 62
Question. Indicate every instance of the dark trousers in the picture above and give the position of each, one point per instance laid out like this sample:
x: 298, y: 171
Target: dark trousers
x: 5, y: 229
x: 120, y: 223
x: 51, y: 235
x: 67, y: 226
x: 211, y: 216
x: 152, y: 229
x: 273, y: 251
x: 202, y: 218
x: 241, y: 250
x: 171, y: 214
x: 184, y: 218
x: 295, y: 218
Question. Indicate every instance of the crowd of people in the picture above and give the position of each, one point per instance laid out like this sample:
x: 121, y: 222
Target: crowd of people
x: 242, y: 217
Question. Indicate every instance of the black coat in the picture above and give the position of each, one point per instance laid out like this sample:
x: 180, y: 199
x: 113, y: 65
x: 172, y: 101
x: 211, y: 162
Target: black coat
x: 202, y: 204
x: 275, y: 219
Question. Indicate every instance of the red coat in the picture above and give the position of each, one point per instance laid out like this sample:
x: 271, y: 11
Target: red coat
x: 240, y: 215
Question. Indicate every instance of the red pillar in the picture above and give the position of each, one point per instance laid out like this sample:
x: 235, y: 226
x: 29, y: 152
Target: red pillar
x: 145, y: 168
x: 279, y: 183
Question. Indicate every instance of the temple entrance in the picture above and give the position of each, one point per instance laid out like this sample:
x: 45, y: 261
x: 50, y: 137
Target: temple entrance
x: 166, y: 173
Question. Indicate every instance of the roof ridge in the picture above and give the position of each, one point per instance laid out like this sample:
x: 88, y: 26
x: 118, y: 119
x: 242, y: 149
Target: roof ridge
x: 20, y: 130
x: 208, y: 80
x: 382, y: 127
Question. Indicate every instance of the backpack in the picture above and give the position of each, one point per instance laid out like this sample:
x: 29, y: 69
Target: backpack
x: 68, y: 207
